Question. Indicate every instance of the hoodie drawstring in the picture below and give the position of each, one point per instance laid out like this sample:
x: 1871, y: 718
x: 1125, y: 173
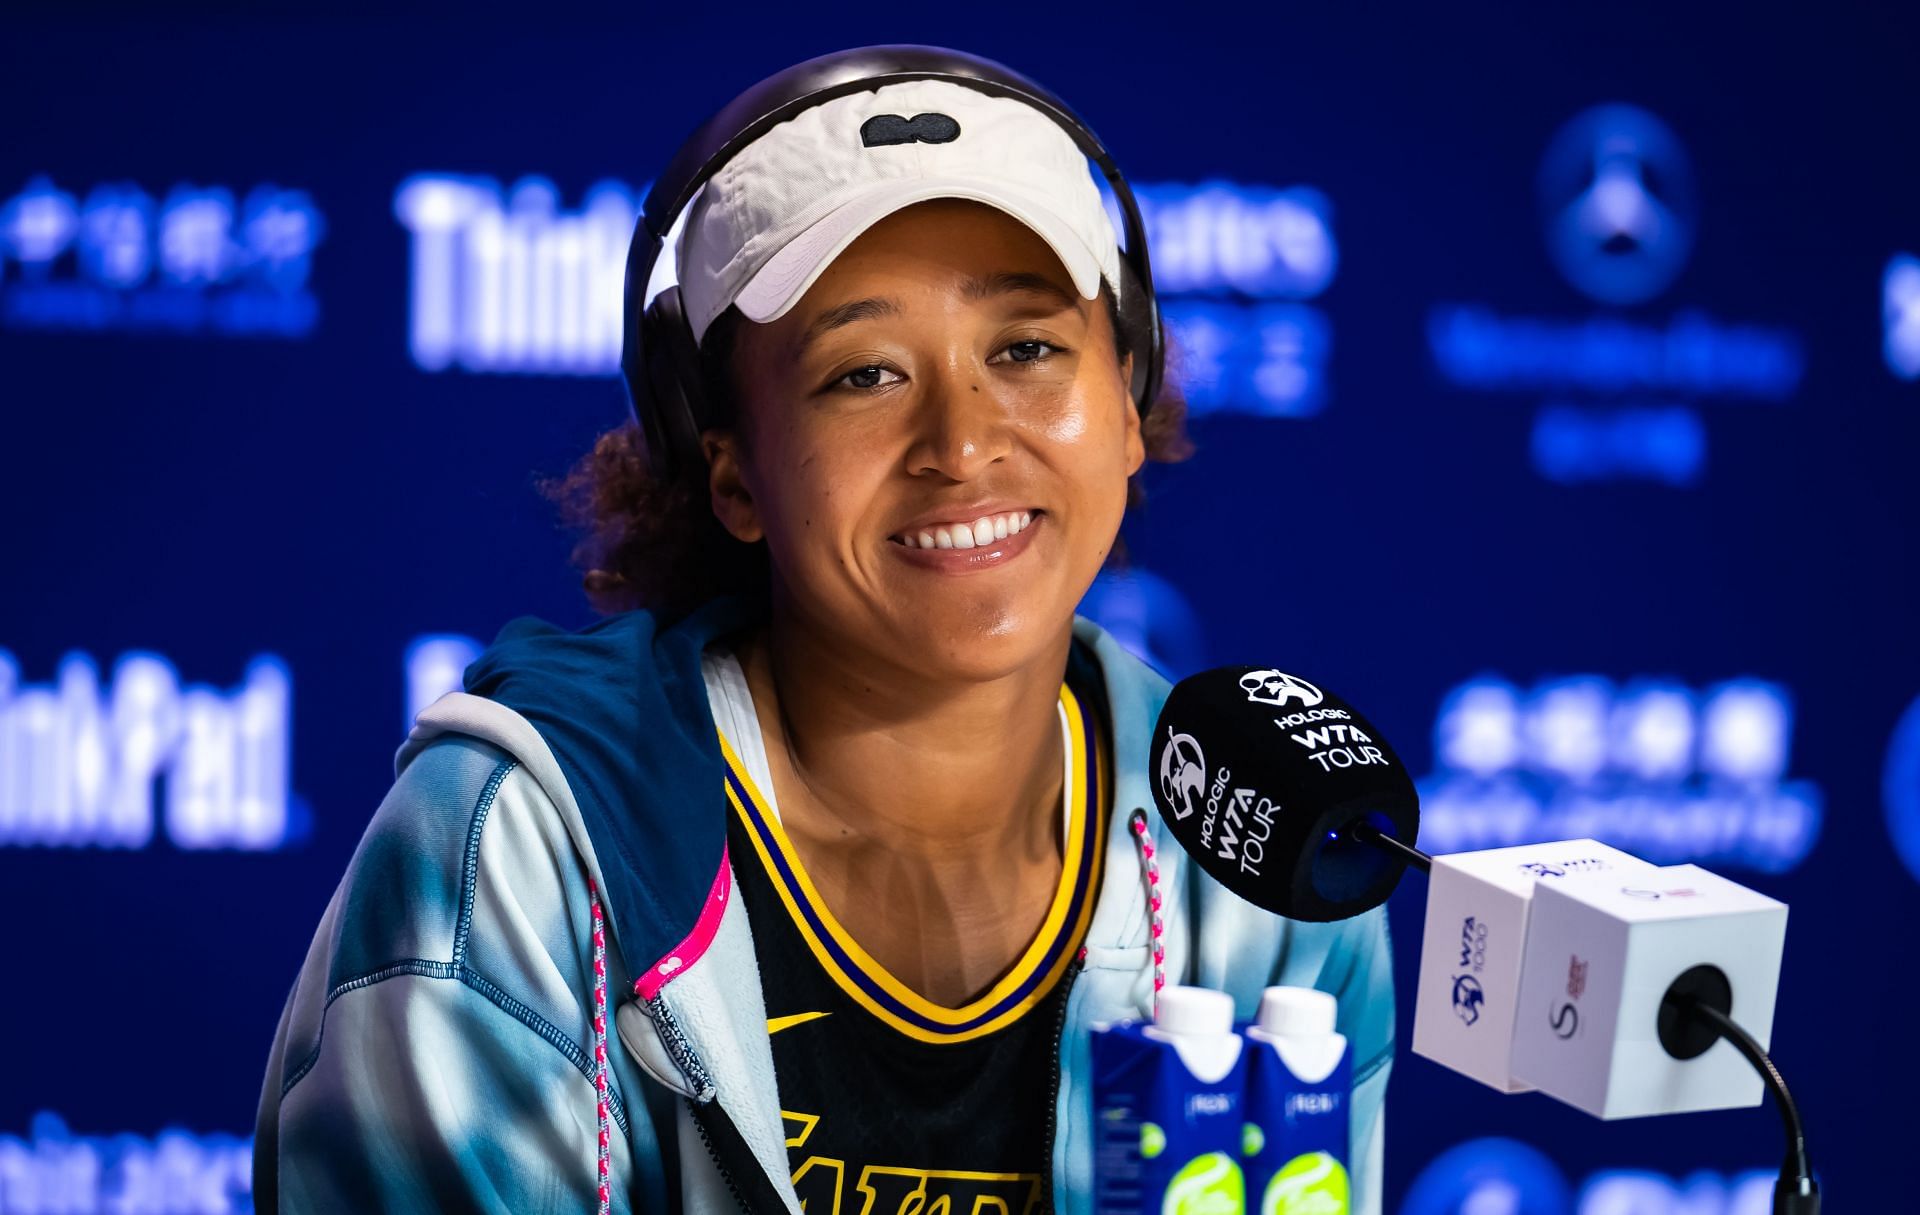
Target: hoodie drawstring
x: 1138, y: 822
x: 600, y: 1048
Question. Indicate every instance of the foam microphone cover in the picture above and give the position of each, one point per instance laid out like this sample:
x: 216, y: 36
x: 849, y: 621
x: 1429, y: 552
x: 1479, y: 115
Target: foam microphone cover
x: 1260, y: 774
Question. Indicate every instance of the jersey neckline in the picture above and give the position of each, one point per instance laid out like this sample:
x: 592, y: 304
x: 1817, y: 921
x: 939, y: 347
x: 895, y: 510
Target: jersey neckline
x: 1040, y: 965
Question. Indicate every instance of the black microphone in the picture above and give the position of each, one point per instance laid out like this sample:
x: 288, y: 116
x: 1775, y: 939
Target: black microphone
x: 1283, y: 793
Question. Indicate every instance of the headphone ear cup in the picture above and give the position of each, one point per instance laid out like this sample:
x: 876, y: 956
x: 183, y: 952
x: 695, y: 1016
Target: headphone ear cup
x: 672, y: 422
x: 1140, y: 319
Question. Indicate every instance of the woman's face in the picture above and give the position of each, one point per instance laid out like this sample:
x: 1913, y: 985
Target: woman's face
x: 935, y: 443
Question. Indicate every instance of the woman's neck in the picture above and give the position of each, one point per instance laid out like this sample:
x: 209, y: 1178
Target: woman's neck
x: 915, y: 767
x: 927, y: 815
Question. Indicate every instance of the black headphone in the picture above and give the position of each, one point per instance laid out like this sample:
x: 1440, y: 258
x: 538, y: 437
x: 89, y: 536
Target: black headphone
x: 659, y: 357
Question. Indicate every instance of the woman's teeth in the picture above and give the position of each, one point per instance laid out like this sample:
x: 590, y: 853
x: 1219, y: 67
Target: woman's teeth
x: 969, y: 535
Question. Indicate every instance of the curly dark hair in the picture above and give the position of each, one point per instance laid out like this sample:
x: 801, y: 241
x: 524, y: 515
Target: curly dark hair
x: 652, y: 542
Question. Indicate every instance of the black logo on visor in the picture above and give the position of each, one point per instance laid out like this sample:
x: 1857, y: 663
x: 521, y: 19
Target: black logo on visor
x: 884, y: 129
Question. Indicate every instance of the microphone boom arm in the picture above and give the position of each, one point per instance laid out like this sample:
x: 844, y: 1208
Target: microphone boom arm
x: 1368, y: 833
x: 1796, y: 1193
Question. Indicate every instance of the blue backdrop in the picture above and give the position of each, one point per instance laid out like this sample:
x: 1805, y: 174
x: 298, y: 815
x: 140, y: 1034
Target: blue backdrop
x: 1556, y: 384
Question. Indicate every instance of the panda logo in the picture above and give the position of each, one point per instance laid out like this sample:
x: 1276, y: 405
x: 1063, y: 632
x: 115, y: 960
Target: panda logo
x: 1183, y: 774
x: 1278, y: 687
x: 1468, y: 997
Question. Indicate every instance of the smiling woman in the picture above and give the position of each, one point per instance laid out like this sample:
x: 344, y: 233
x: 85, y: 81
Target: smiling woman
x: 654, y: 541
x: 799, y: 881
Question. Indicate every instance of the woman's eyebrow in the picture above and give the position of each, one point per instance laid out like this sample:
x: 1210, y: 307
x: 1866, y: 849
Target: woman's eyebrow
x: 1004, y: 283
x: 1009, y: 281
x: 846, y: 314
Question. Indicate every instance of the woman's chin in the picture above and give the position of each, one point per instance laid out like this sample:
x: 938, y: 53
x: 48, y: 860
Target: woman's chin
x: 985, y: 641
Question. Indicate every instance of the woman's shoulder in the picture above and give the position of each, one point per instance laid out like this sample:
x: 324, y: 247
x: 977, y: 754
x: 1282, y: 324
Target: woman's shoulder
x: 461, y: 927
x: 466, y: 873
x: 436, y: 837
x: 1102, y: 657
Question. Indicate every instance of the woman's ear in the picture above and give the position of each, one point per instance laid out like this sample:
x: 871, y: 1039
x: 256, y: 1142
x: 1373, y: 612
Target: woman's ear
x: 733, y: 503
x: 1136, y: 442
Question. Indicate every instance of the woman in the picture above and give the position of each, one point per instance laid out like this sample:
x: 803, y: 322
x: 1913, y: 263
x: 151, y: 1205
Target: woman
x: 838, y: 810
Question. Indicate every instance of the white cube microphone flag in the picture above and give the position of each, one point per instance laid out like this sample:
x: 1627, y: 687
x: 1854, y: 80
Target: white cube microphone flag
x: 1478, y: 910
x: 1602, y: 953
x: 1619, y: 987
x: 1548, y: 966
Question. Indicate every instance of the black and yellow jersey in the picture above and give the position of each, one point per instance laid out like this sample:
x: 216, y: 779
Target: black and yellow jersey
x: 894, y: 1104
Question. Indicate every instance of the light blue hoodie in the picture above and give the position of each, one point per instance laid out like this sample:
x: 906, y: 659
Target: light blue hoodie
x: 439, y: 1048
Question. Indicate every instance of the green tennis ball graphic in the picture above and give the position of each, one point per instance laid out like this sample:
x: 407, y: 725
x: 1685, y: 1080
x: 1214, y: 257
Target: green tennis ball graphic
x: 1209, y: 1185
x: 1153, y: 1140
x: 1313, y: 1184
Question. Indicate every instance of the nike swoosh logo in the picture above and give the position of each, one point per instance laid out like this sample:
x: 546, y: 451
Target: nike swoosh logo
x: 776, y: 1024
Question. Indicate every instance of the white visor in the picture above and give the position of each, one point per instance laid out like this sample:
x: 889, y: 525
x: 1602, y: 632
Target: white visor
x: 772, y: 219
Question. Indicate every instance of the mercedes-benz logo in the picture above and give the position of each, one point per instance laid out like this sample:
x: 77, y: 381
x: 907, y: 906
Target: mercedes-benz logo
x: 1617, y: 202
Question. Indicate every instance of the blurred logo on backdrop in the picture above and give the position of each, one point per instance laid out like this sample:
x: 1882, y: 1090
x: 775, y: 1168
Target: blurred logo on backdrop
x: 1617, y: 394
x: 197, y: 260
x: 1616, y: 200
x: 173, y: 1173
x: 508, y: 280
x: 1149, y: 618
x: 1507, y: 1177
x: 436, y: 664
x: 1900, y: 313
x: 82, y: 765
x: 1650, y: 766
x: 1500, y: 1176
x: 1900, y: 788
x: 1235, y: 268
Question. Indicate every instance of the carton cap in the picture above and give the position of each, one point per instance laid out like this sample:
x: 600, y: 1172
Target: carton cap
x: 1297, y: 1012
x: 1199, y: 1011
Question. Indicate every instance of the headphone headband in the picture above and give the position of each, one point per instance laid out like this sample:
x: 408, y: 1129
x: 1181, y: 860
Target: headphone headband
x: 659, y: 358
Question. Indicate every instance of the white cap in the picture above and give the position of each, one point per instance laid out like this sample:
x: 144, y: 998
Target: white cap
x: 1297, y: 1012
x: 765, y: 226
x: 1200, y: 1011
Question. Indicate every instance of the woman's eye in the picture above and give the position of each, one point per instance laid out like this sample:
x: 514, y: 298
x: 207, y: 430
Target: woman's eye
x: 869, y: 378
x: 864, y: 377
x: 1029, y: 351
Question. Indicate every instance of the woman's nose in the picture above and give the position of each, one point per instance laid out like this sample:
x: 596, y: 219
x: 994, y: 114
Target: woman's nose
x: 961, y: 425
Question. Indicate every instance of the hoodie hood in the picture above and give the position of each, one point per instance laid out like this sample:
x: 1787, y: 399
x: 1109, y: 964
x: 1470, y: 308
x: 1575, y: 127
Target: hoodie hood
x: 623, y: 708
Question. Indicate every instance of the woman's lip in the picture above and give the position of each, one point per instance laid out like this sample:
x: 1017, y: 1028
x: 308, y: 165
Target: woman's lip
x: 965, y: 516
x: 991, y: 555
